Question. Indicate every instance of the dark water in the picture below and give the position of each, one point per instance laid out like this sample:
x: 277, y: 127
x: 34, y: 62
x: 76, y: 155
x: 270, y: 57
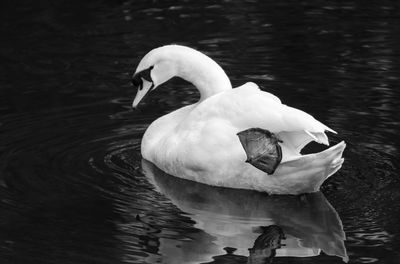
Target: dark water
x: 72, y: 184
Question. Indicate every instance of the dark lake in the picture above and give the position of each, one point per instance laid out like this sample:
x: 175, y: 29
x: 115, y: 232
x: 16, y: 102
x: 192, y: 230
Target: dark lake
x: 74, y: 188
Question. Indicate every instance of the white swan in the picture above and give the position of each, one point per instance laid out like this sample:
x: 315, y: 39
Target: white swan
x: 199, y: 142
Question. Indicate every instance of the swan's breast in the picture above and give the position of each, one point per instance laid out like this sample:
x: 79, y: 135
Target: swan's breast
x: 161, y: 132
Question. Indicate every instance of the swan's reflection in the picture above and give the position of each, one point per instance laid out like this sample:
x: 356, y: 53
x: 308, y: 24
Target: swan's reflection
x: 240, y: 219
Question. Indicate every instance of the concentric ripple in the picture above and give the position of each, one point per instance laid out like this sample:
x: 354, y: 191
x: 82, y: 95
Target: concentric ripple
x: 77, y: 181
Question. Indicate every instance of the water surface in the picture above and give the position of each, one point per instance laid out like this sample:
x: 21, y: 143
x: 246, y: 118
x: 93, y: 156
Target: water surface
x: 73, y: 186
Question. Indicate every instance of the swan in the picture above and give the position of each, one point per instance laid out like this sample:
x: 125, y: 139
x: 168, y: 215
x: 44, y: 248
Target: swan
x: 240, y: 137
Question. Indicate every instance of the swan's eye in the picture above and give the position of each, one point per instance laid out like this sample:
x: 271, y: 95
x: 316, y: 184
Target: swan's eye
x: 137, y: 80
x: 146, y: 74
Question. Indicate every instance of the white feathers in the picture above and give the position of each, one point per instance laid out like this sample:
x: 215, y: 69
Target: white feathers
x: 199, y: 142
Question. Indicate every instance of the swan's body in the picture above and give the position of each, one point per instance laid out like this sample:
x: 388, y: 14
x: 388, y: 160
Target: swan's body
x: 199, y: 142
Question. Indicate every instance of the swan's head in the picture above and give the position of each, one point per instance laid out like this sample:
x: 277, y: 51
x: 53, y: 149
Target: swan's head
x: 156, y: 67
x: 161, y: 64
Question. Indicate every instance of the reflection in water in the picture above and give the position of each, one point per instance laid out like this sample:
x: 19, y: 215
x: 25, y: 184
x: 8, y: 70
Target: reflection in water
x: 237, y: 219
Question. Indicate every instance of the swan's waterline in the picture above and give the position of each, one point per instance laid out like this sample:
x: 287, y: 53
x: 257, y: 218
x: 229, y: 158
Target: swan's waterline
x: 234, y: 217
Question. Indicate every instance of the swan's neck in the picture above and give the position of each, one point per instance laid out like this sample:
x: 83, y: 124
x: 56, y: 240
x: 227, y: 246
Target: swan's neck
x: 204, y: 73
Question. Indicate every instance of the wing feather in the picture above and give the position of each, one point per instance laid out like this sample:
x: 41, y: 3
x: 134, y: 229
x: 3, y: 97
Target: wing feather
x: 248, y: 107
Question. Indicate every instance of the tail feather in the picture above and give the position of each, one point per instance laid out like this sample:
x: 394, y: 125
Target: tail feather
x: 307, y: 173
x: 319, y: 137
x: 294, y: 141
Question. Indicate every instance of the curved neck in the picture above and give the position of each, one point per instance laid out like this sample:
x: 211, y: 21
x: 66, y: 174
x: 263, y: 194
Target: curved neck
x: 195, y: 67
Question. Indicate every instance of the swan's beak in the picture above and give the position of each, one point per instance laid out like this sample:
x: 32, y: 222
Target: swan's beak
x: 143, y: 88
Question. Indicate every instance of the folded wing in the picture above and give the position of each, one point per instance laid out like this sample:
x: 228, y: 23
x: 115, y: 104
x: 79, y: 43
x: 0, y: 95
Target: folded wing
x: 248, y: 107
